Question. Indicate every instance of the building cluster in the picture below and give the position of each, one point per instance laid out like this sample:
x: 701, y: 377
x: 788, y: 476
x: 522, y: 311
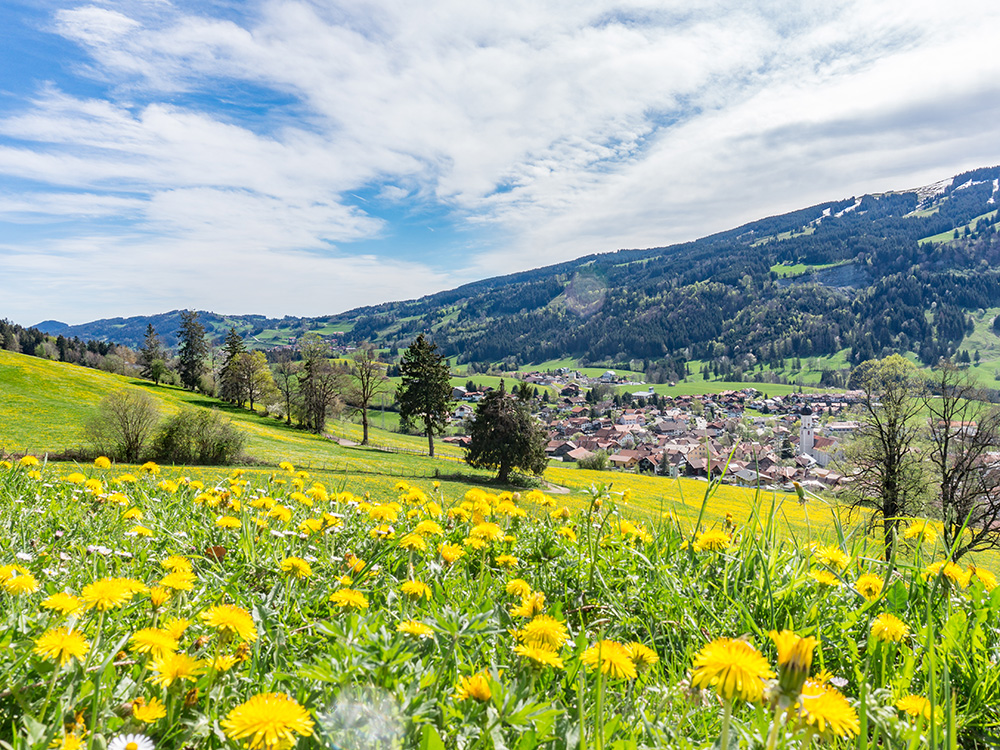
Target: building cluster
x: 743, y: 436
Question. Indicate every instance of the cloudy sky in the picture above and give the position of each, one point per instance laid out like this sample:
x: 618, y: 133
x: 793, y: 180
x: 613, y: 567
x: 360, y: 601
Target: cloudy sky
x: 302, y: 158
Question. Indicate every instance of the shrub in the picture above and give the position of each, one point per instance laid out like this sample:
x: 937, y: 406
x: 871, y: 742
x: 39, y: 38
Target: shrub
x: 198, y: 436
x: 597, y: 462
x: 124, y: 422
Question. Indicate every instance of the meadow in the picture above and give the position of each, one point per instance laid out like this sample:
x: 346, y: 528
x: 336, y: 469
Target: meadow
x: 273, y: 610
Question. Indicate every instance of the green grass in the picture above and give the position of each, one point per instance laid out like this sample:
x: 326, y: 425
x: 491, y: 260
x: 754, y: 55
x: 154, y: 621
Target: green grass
x: 787, y: 271
x: 801, y: 232
x: 949, y: 236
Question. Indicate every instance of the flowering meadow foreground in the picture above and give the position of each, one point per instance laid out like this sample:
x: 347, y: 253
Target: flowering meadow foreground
x: 140, y: 612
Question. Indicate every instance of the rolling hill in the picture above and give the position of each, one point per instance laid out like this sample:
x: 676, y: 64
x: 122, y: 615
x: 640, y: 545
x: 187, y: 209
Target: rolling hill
x: 862, y: 276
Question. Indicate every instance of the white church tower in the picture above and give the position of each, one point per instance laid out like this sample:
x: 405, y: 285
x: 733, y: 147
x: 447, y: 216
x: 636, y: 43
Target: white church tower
x: 807, y: 431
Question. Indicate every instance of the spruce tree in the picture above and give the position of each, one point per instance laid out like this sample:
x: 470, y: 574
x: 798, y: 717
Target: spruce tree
x: 506, y: 437
x: 425, y: 393
x: 151, y: 356
x: 230, y: 381
x: 193, y: 347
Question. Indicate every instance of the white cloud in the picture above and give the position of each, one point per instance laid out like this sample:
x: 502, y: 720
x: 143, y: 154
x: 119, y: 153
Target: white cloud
x: 547, y: 129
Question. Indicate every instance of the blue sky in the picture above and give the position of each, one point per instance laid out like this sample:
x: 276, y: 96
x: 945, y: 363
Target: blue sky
x: 287, y: 157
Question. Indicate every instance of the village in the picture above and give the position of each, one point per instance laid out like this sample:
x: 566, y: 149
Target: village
x: 742, y: 436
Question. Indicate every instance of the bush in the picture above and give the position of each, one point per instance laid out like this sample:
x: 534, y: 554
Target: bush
x: 198, y: 436
x: 597, y: 462
x: 124, y: 422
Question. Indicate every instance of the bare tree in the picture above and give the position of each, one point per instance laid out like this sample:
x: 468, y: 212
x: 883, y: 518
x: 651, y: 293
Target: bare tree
x: 887, y: 473
x: 286, y: 379
x: 320, y: 383
x: 369, y: 381
x: 965, y: 435
x: 124, y: 422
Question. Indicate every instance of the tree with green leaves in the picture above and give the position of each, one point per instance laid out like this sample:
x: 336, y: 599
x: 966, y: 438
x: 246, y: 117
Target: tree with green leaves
x: 505, y: 437
x: 425, y: 393
x: 369, y: 379
x: 254, y: 377
x: 230, y: 382
x: 193, y: 347
x: 887, y: 477
x: 152, y: 358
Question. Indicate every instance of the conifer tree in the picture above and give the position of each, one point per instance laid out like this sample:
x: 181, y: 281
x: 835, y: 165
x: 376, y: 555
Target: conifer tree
x: 425, y: 393
x: 191, y: 357
x: 505, y: 436
x: 230, y: 380
x: 151, y: 356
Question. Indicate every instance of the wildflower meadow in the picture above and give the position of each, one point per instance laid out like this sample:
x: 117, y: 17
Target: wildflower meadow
x: 273, y: 611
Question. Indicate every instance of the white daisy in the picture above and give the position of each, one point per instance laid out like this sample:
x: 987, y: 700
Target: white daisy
x: 131, y: 742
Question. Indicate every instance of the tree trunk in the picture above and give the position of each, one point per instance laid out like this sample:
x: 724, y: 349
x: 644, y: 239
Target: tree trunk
x: 364, y: 425
x: 430, y: 439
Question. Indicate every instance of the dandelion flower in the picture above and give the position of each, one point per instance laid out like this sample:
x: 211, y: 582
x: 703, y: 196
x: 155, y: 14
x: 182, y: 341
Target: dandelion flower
x: 412, y: 627
x: 714, y: 540
x: 567, y: 533
x: 539, y: 656
x: 62, y: 602
x: 158, y: 595
x: 475, y: 686
x: 61, y: 644
x: 269, y: 721
x: 296, y: 567
x: 224, y: 663
x: 955, y: 574
x: 450, y: 552
x: 427, y: 527
x: 922, y: 531
x: 176, y: 626
x: 824, y: 577
x: 153, y: 641
x: 413, y: 542
x: 530, y: 605
x: 611, y: 658
x: 76, y: 478
x: 915, y: 705
x: 889, y: 628
x: 131, y: 742
x: 544, y: 631
x: 794, y: 651
x: 833, y: 557
x: 231, y: 620
x: 349, y: 599
x: 869, y: 586
x: 826, y: 710
x: 17, y: 580
x: 416, y: 589
x: 177, y: 564
x: 28, y: 461
x: 518, y: 587
x: 106, y: 593
x: 171, y: 668
x: 149, y: 712
x: 179, y: 581
x: 642, y: 655
x: 733, y: 667
x: 988, y: 580
x: 227, y: 522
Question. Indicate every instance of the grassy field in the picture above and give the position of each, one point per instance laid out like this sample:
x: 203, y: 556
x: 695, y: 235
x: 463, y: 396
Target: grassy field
x: 950, y: 234
x: 791, y: 270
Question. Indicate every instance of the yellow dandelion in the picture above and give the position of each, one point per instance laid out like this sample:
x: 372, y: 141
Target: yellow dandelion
x: 76, y: 478
x: 915, y: 705
x: 714, y: 540
x: 474, y: 543
x: 224, y: 663
x: 612, y: 658
x: 530, y: 605
x: 269, y: 721
x: 450, y: 552
x: 427, y: 527
x: 296, y: 567
x: 413, y: 542
x: 487, y: 531
x: 179, y: 581
x: 177, y: 564
x: 826, y: 710
x: 349, y: 599
x: 148, y: 712
x: 833, y: 557
x: 139, y: 531
x: 988, y: 580
x: 62, y: 602
x: 475, y: 686
x: 567, y: 533
x: 539, y: 656
x: 734, y: 668
x: 153, y: 641
x: 869, y: 586
x: 173, y: 667
x: 106, y: 593
x: 412, y: 627
x: 61, y: 645
x: 17, y: 580
x: 227, y: 522
x: 416, y: 589
x: 231, y: 620
x: 176, y: 626
x: 824, y: 577
x: 507, y: 561
x: 28, y: 461
x: 159, y: 595
x: 132, y: 514
x: 518, y: 587
x: 642, y: 655
x: 889, y: 629
x: 922, y: 531
x: 955, y: 574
